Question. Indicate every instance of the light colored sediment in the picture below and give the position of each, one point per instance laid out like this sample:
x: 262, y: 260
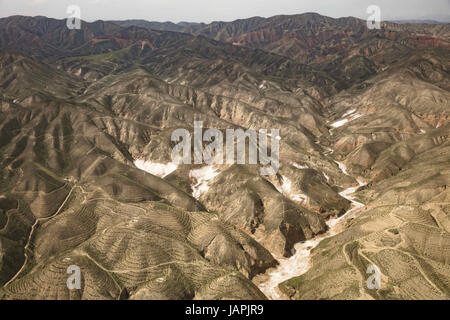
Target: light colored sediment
x: 157, y: 169
x: 202, y: 177
x: 300, y: 262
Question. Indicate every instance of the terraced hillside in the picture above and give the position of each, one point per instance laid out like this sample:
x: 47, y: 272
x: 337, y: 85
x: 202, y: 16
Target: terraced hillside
x: 86, y: 118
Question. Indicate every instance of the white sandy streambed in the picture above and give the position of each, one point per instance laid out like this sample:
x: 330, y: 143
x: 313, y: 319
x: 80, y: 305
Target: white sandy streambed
x: 300, y: 262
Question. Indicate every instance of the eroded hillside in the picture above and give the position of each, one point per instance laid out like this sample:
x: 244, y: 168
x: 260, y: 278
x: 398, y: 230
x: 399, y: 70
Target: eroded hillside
x: 86, y: 175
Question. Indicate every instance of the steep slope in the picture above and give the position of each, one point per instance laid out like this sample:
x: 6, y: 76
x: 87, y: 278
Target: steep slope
x: 86, y: 120
x: 344, y: 47
x: 392, y: 133
x: 68, y: 177
x: 403, y: 230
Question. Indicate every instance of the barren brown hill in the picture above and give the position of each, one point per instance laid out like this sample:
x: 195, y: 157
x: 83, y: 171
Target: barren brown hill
x: 86, y: 175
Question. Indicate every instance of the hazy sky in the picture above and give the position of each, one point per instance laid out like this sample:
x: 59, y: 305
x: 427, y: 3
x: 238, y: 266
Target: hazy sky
x: 225, y: 10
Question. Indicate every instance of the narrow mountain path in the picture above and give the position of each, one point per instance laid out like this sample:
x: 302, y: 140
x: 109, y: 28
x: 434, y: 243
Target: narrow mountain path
x: 300, y: 262
x: 27, y: 249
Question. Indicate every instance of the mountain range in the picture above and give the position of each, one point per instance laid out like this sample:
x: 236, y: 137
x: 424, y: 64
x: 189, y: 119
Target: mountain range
x: 86, y: 118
